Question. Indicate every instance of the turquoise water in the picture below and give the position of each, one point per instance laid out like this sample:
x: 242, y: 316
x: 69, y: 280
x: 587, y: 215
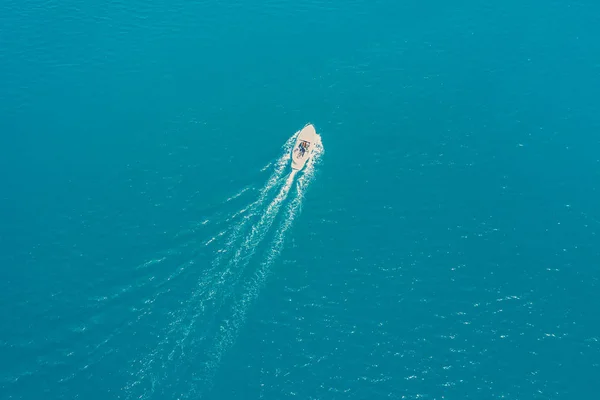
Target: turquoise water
x: 444, y: 243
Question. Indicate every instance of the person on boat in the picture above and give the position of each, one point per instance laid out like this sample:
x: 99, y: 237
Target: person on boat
x: 302, y: 148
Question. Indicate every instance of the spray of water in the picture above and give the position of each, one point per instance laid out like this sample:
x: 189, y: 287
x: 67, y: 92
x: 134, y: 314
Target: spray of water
x: 214, y: 284
x: 229, y: 329
x: 210, y: 291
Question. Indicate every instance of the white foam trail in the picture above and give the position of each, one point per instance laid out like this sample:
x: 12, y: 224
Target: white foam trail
x: 220, y: 288
x: 276, y: 176
x: 238, y: 194
x: 292, y: 211
x: 211, y: 280
x: 273, y: 180
x: 257, y: 234
x: 230, y: 327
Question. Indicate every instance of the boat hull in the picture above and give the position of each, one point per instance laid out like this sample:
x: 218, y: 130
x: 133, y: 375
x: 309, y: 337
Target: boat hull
x: 304, y: 147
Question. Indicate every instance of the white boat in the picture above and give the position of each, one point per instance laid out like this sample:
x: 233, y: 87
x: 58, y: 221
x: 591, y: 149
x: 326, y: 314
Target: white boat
x: 304, y: 147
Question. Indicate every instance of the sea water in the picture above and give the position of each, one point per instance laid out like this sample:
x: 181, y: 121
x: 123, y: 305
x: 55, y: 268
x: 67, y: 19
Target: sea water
x: 443, y: 243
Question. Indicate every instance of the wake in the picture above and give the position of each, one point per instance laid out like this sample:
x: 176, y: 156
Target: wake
x: 229, y: 330
x: 207, y: 324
